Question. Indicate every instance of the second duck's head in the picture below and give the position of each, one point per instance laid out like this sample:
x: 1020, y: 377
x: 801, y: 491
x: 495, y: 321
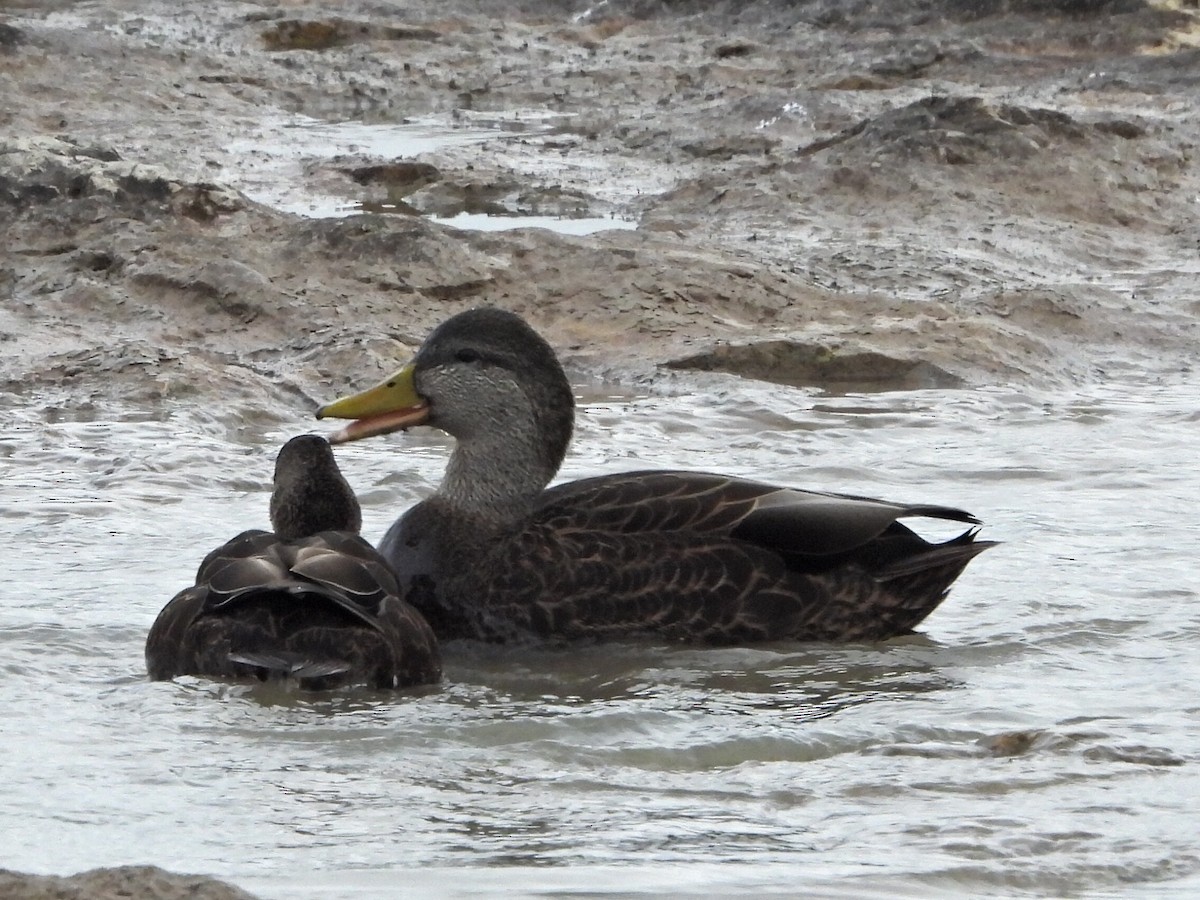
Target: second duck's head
x: 310, y: 495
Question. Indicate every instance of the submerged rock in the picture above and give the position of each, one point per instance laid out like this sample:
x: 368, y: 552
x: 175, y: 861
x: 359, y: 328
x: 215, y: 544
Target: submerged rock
x: 38, y: 171
x: 10, y: 37
x: 815, y: 365
x: 958, y: 130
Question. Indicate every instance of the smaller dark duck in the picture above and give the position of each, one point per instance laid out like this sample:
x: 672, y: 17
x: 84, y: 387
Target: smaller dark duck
x: 311, y: 603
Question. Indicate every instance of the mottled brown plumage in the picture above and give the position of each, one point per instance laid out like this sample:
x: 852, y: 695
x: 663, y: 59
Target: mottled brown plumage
x: 493, y: 554
x: 312, y: 603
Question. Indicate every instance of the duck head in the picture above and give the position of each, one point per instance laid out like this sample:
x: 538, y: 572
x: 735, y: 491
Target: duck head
x: 310, y: 495
x: 490, y: 381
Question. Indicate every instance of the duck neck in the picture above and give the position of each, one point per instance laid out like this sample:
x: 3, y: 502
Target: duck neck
x: 321, y: 501
x: 508, y: 447
x: 496, y: 480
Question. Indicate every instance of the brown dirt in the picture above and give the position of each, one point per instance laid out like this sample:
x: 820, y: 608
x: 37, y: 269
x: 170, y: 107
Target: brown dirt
x: 828, y: 193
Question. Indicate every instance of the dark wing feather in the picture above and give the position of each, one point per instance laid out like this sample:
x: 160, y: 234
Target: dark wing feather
x: 291, y: 666
x: 358, y: 578
x: 651, y: 501
x: 810, y: 523
x: 701, y: 557
x: 168, y: 632
x: 247, y: 544
x: 229, y: 580
x: 323, y: 610
x: 575, y: 583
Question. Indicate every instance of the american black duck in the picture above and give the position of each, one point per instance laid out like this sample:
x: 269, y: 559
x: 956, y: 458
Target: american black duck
x: 312, y: 603
x: 494, y: 554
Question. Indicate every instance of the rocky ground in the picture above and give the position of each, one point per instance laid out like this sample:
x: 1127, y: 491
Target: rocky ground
x: 873, y: 194
x: 122, y: 883
x: 832, y: 193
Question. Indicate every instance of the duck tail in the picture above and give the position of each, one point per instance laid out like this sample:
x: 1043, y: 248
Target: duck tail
x: 288, y: 666
x: 949, y: 559
x: 923, y: 581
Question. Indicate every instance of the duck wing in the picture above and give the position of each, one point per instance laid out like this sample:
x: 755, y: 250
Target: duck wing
x: 339, y: 566
x: 689, y: 586
x: 313, y: 609
x: 788, y: 520
x: 704, y: 557
x: 169, y: 632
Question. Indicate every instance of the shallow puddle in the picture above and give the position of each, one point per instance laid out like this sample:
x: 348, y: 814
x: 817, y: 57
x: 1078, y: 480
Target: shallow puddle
x: 270, y: 166
x: 274, y: 169
x: 561, y: 224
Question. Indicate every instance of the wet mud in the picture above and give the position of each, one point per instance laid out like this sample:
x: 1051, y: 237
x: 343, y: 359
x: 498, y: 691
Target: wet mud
x: 875, y: 195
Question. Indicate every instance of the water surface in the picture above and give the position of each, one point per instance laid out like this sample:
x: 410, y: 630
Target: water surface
x: 1038, y: 738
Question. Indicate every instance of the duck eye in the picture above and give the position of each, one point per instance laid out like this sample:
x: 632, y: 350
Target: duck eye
x: 467, y: 355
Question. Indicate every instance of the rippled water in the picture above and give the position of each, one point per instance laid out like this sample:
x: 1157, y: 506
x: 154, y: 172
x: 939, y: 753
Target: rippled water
x: 1039, y: 738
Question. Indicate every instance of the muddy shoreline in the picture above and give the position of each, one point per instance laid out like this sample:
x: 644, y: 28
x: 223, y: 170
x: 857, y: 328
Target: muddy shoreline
x: 825, y: 194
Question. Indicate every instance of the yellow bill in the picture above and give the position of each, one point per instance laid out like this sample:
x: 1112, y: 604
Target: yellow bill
x: 389, y: 406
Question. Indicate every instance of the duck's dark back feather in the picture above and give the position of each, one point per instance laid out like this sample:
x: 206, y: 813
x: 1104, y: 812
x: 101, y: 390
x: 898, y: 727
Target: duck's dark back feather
x: 683, y: 555
x: 325, y: 604
x: 356, y: 577
x: 809, y: 522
